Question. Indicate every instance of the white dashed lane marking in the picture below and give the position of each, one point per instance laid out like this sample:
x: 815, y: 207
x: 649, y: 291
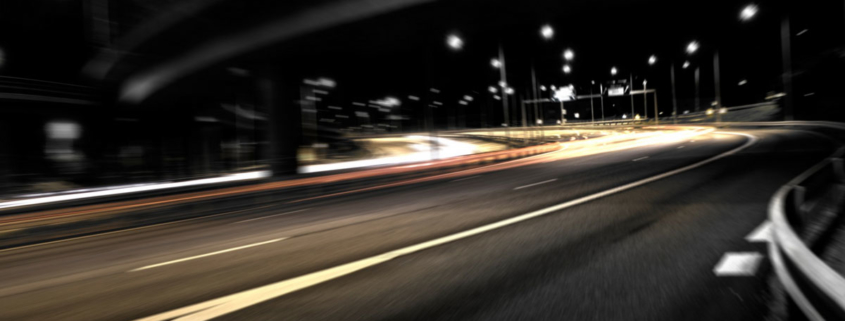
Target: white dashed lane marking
x: 207, y: 254
x: 535, y: 184
x: 738, y: 264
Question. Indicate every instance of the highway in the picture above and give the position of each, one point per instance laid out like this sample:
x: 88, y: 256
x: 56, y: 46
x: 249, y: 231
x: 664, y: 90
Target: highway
x: 625, y: 234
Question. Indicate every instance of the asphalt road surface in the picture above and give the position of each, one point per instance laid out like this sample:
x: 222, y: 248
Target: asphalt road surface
x: 501, y: 245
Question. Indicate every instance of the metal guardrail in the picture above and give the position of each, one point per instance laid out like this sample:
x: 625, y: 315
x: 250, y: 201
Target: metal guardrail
x: 815, y: 288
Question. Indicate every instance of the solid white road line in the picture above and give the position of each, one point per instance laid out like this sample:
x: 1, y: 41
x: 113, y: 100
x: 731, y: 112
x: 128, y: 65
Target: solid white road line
x: 466, y: 178
x: 208, y: 254
x: 221, y: 306
x: 535, y: 184
x: 269, y: 216
x: 639, y: 159
x: 738, y: 264
x: 762, y: 233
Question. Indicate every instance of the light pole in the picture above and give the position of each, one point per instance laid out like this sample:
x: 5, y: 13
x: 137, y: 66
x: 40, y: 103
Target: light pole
x: 505, y: 89
x: 749, y: 12
x: 601, y: 99
x: 697, y: 103
x: 592, y: 113
x: 645, y: 99
x: 786, y: 54
x: 717, y: 87
x: 651, y: 61
x: 630, y: 93
x: 674, y: 99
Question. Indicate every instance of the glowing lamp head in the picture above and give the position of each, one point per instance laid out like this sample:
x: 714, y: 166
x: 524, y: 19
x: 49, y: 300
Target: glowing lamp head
x: 748, y: 12
x: 547, y: 32
x: 496, y: 63
x: 454, y: 42
x: 568, y: 54
x: 692, y: 47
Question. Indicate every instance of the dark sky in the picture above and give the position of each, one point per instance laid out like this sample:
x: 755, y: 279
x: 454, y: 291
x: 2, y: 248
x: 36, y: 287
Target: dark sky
x: 404, y: 52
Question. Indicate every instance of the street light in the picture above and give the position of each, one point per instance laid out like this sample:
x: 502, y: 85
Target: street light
x: 495, y: 63
x: 492, y: 89
x: 566, y: 69
x: 748, y: 12
x: 686, y: 64
x: 785, y: 53
x: 652, y: 59
x: 543, y: 88
x: 568, y: 54
x: 547, y: 32
x: 692, y: 47
x: 509, y: 91
x: 454, y: 42
x: 613, y: 71
x: 502, y: 84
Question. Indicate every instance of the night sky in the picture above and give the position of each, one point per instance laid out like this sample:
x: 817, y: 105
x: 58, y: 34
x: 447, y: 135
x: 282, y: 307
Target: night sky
x: 404, y: 53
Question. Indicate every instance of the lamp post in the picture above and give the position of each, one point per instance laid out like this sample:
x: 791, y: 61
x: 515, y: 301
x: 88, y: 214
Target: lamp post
x: 786, y: 54
x: 749, y: 12
x: 651, y: 61
x: 645, y: 99
x: 500, y: 64
x: 717, y: 87
x: 601, y: 99
x: 630, y: 93
x: 592, y: 113
x: 697, y: 103
x: 674, y: 98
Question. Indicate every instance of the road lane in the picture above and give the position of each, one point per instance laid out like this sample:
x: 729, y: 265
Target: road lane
x: 340, y: 230
x: 645, y: 254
